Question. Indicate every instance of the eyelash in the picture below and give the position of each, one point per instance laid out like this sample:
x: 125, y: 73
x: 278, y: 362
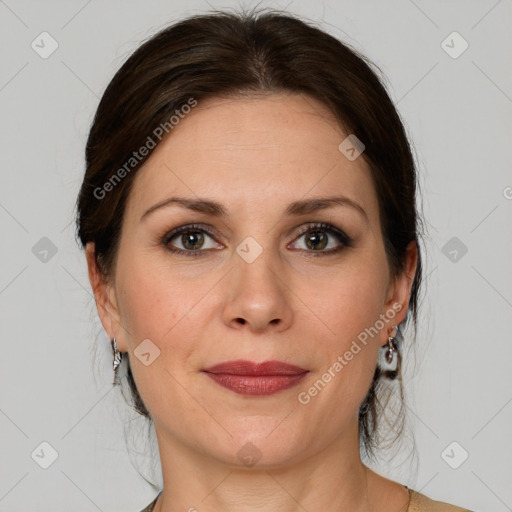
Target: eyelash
x: 345, y: 240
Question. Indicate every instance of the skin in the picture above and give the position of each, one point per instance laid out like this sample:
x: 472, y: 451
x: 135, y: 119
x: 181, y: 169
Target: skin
x: 255, y: 155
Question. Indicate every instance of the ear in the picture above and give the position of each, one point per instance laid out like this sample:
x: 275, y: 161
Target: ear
x: 104, y: 295
x: 399, y: 291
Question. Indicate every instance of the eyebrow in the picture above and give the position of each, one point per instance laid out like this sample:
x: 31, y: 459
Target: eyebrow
x: 303, y: 207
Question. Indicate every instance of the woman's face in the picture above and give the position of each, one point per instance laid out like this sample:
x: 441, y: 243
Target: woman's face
x: 252, y: 284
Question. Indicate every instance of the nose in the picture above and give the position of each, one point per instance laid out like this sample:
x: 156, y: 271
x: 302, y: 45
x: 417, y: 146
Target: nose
x: 257, y: 297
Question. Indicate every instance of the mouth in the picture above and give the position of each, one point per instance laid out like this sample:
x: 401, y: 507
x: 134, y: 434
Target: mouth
x: 248, y: 378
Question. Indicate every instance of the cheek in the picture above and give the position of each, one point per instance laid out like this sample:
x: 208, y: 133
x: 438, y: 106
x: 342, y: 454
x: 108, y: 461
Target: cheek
x: 350, y: 305
x: 152, y: 299
x: 164, y: 306
x: 155, y: 308
x: 349, y: 300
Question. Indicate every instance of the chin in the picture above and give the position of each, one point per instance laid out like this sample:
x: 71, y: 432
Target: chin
x: 261, y: 443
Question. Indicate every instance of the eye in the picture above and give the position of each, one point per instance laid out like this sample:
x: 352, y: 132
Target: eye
x: 318, y: 237
x: 191, y: 238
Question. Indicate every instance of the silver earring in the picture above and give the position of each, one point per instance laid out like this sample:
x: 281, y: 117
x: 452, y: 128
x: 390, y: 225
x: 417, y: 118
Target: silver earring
x: 391, y: 350
x: 118, y: 356
x: 389, y: 361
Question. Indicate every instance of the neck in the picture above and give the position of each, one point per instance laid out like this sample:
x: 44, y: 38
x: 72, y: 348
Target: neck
x: 332, y: 480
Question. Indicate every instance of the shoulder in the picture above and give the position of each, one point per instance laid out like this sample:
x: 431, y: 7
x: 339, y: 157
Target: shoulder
x: 421, y: 503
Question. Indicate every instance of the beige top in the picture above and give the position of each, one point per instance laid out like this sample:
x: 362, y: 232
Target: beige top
x: 417, y: 503
x: 420, y: 503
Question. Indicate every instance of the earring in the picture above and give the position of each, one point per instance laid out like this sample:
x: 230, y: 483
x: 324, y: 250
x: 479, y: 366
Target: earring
x: 389, y: 360
x: 118, y: 356
x: 390, y: 349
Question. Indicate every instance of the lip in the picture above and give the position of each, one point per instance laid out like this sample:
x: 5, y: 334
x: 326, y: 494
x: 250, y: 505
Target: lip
x: 243, y: 367
x: 248, y: 378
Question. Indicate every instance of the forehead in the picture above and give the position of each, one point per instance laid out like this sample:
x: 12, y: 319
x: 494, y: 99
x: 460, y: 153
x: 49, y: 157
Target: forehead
x: 249, y: 152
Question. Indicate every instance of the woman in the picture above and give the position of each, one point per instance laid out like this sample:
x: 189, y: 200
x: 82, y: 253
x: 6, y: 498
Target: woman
x: 249, y: 220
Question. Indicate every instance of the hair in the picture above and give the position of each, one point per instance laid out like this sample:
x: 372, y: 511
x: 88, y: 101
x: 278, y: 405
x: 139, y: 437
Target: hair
x: 230, y: 54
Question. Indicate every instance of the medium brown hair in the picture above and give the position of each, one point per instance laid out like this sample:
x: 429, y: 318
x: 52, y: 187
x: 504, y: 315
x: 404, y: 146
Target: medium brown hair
x: 229, y: 54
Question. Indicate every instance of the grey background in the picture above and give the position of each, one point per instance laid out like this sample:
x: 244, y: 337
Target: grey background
x: 55, y: 373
